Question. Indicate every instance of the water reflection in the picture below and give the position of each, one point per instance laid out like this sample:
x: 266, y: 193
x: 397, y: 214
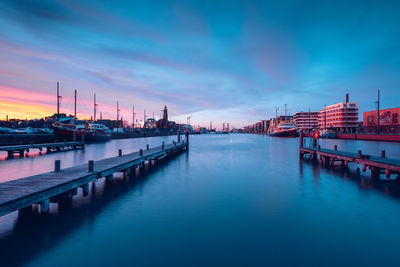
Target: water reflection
x: 32, y: 233
x: 389, y: 187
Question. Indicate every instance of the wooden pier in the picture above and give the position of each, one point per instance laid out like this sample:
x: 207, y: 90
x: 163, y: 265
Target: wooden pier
x: 330, y: 157
x: 50, y: 147
x: 40, y: 189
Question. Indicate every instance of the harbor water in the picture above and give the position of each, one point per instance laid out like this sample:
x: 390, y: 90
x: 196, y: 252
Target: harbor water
x: 238, y: 199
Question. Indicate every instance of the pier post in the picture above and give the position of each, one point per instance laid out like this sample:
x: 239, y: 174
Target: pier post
x: 179, y: 137
x: 83, y: 137
x: 335, y: 148
x: 147, y: 146
x: 141, y: 152
x: 57, y: 165
x: 90, y: 166
x: 45, y: 206
x: 187, y: 137
x: 383, y: 154
x: 110, y: 177
x: 162, y: 146
x: 314, y: 142
x: 301, y: 139
x: 85, y: 189
x: 387, y: 173
x: 374, y: 172
x: 119, y: 152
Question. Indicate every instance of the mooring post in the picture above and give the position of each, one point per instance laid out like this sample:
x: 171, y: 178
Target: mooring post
x: 83, y: 137
x: 119, y: 152
x: 57, y: 165
x: 141, y: 152
x: 383, y: 154
x: 335, y: 147
x: 109, y: 177
x: 85, y: 189
x: 147, y: 146
x: 90, y: 166
x: 301, y: 139
x: 162, y: 146
x: 45, y: 206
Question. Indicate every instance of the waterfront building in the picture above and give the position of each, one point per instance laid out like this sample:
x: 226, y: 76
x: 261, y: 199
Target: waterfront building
x: 389, y: 122
x: 306, y: 121
x: 339, y: 117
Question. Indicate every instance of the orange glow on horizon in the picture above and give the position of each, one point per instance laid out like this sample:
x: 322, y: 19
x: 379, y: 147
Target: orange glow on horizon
x: 20, y: 103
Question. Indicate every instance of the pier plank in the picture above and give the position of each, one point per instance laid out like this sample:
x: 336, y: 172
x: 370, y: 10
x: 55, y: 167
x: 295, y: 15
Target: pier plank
x: 23, y: 192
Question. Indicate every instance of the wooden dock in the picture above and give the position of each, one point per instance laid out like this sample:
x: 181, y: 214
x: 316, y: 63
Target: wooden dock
x: 43, y: 188
x: 330, y: 157
x: 50, y: 147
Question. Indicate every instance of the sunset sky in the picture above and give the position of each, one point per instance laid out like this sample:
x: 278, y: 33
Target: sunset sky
x: 225, y: 61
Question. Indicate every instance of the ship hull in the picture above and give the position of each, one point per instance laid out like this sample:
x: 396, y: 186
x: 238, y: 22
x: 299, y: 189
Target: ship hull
x: 67, y: 135
x: 284, y: 133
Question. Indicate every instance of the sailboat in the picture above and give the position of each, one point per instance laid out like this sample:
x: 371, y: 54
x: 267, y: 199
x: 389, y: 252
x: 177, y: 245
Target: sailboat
x: 69, y: 129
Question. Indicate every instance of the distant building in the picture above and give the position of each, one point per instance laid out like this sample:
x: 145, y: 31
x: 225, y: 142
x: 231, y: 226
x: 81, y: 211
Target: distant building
x: 388, y: 121
x: 340, y: 117
x: 306, y: 121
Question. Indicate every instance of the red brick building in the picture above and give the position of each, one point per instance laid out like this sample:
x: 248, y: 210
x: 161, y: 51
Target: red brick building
x: 389, y: 121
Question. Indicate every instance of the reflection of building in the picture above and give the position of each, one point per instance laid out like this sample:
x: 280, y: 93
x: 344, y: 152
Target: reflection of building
x: 306, y: 120
x: 388, y: 121
x: 340, y: 117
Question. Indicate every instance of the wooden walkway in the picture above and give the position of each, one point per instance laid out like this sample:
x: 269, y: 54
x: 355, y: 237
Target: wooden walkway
x: 377, y: 165
x: 21, y: 149
x: 40, y: 189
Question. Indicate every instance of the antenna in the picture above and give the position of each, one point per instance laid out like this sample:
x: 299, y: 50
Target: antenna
x: 285, y: 111
x: 378, y: 103
x: 58, y: 98
x: 276, y: 114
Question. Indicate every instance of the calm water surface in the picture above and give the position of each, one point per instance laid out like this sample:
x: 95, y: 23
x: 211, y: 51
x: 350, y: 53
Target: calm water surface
x: 231, y: 200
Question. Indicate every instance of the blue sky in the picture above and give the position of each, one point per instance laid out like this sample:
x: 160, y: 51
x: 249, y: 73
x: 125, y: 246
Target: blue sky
x: 225, y: 61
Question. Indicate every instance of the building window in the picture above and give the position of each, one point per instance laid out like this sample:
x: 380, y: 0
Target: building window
x: 395, y: 118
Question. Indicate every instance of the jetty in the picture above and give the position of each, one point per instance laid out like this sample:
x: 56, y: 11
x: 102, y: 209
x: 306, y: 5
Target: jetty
x: 59, y: 184
x: 330, y: 157
x: 50, y: 147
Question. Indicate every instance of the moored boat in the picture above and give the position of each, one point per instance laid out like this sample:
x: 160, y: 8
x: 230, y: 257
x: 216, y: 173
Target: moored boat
x: 284, y: 129
x: 89, y: 132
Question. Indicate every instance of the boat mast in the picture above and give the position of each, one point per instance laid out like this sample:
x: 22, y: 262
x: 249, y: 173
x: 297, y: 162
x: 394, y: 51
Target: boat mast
x: 94, y: 108
x: 75, y: 110
x: 133, y: 117
x: 117, y: 112
x: 58, y: 98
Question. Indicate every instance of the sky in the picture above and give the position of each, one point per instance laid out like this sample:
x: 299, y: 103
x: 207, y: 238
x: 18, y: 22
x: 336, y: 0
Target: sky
x: 221, y: 61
